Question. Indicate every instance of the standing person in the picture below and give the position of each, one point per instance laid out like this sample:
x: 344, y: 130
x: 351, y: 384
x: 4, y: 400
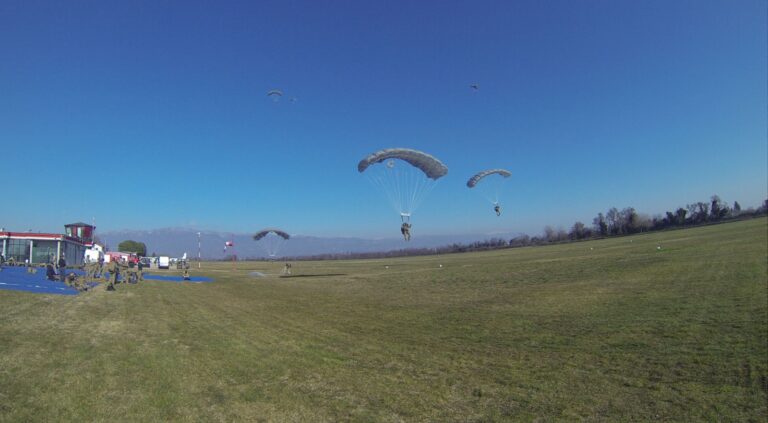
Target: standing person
x: 125, y: 270
x: 100, y: 267
x: 88, y: 270
x: 62, y: 267
x: 113, y: 270
x: 139, y: 271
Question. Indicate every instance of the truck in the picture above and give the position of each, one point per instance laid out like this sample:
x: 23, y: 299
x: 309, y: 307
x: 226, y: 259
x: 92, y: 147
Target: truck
x: 94, y: 254
x: 163, y: 262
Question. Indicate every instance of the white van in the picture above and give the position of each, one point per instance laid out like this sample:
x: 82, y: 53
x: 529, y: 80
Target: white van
x: 163, y: 262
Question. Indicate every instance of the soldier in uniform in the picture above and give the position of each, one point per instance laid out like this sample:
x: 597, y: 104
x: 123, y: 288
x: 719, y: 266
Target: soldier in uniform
x: 90, y: 269
x: 113, y: 270
x: 125, y: 270
x: 99, y: 268
x: 405, y: 229
x: 185, y: 275
x: 62, y: 267
x: 140, y: 271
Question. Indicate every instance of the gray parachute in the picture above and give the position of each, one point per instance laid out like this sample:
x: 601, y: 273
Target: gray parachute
x: 431, y: 166
x: 274, y: 92
x: 475, y: 179
x: 264, y: 232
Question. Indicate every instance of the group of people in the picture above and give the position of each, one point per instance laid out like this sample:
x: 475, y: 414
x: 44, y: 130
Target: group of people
x: 111, y: 272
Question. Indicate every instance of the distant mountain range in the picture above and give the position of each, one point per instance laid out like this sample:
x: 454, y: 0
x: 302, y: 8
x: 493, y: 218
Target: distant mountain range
x: 176, y: 241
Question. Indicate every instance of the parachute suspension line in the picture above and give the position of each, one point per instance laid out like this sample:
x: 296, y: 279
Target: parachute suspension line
x: 404, y: 184
x: 385, y: 184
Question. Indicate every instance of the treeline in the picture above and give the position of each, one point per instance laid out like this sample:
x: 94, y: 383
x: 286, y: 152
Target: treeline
x: 628, y: 221
x: 614, y: 222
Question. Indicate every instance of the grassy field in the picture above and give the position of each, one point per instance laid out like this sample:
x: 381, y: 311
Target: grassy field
x: 610, y: 330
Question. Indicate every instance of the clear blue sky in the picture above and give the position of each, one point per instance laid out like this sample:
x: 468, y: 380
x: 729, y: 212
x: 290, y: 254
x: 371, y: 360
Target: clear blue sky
x: 148, y: 114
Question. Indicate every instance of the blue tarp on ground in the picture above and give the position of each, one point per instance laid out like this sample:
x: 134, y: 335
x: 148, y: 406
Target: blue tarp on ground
x: 167, y: 278
x: 17, y: 279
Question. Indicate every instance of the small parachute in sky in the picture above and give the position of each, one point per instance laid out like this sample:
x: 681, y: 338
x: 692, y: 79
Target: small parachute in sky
x: 475, y: 179
x: 475, y: 87
x: 271, y: 240
x: 228, y: 244
x: 264, y: 232
x: 275, y: 95
x: 406, y: 176
x: 490, y: 184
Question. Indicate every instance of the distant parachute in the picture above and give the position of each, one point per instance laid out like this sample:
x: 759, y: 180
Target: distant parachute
x: 271, y: 240
x: 475, y: 179
x: 264, y: 232
x: 474, y: 87
x: 275, y: 95
x: 490, y: 184
x: 406, y: 177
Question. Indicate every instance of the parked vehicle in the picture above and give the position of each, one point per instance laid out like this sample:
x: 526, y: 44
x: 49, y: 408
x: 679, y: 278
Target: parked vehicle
x: 164, y: 262
x: 146, y: 262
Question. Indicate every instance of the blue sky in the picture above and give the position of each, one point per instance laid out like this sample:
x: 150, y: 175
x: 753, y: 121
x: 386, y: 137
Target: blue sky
x: 152, y: 114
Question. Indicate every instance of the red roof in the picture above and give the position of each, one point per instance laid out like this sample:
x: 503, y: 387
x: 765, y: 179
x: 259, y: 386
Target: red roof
x: 34, y: 235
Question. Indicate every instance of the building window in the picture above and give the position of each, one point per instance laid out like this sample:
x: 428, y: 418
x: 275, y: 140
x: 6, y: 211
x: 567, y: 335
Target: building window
x: 18, y: 249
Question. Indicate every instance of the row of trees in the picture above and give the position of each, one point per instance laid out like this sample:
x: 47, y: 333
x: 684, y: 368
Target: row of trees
x: 614, y: 222
x: 628, y: 221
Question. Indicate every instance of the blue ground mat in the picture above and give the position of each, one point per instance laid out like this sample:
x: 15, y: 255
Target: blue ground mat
x: 166, y: 278
x: 17, y: 279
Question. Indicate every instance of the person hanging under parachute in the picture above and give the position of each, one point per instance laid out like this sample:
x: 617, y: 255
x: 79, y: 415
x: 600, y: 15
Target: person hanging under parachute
x: 405, y: 229
x: 404, y: 186
x: 491, y: 188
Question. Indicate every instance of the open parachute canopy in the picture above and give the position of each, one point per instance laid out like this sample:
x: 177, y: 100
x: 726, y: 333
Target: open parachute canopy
x: 271, y: 240
x: 475, y: 179
x: 264, y: 232
x: 406, y: 176
x: 431, y: 166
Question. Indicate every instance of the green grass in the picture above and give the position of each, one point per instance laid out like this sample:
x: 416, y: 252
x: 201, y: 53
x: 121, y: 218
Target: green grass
x: 611, y: 330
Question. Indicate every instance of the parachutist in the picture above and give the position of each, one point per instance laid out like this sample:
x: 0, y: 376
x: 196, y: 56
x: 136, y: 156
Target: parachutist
x: 405, y: 229
x: 497, y: 209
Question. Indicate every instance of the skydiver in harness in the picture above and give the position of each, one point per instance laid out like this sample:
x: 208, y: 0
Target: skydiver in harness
x: 405, y: 229
x: 497, y: 209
